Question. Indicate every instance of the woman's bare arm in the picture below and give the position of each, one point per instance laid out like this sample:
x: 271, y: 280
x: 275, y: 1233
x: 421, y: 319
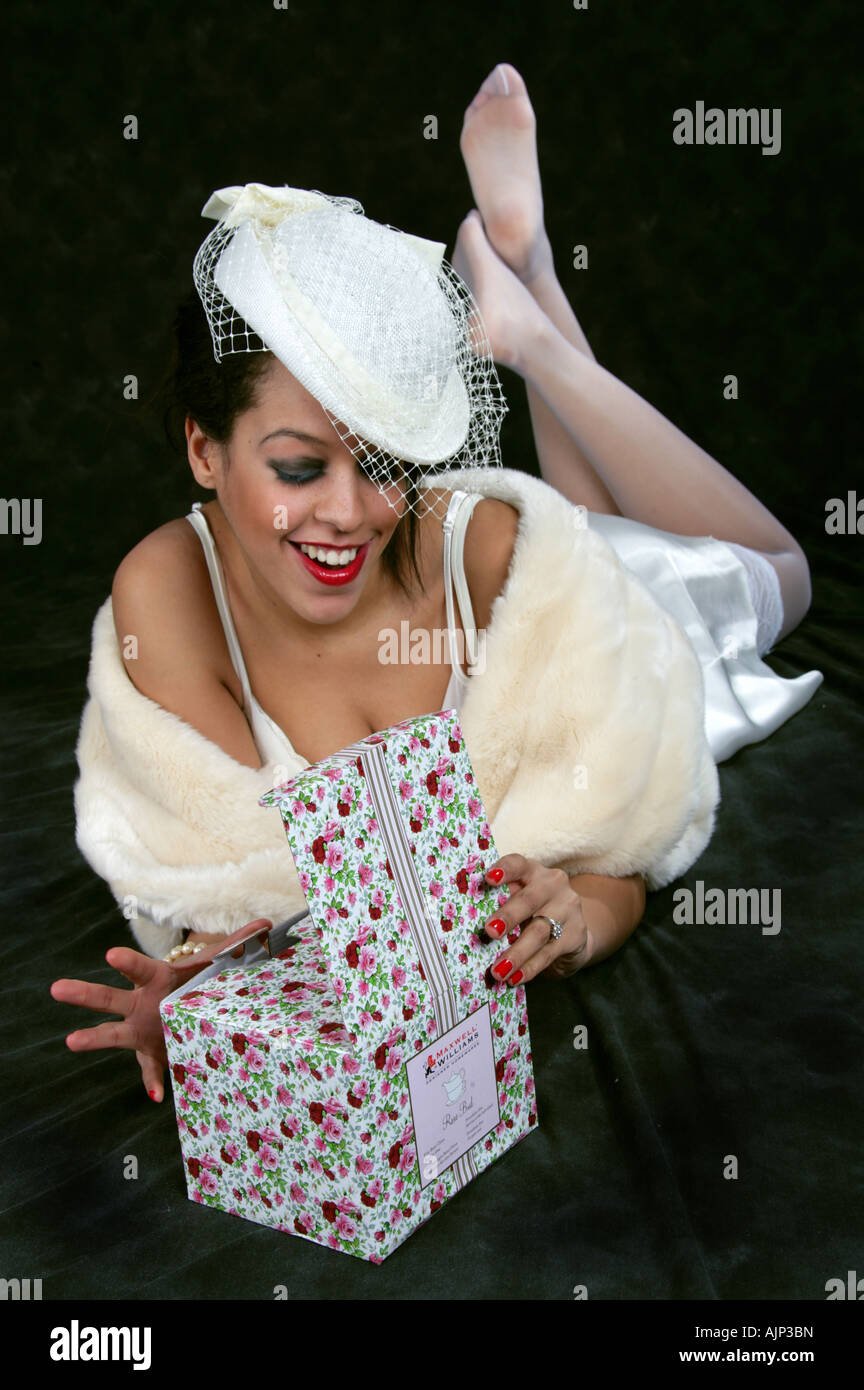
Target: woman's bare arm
x: 613, y: 909
x: 489, y: 541
x: 171, y: 638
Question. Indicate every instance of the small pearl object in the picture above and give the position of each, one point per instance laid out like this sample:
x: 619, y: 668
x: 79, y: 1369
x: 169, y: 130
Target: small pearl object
x: 187, y: 948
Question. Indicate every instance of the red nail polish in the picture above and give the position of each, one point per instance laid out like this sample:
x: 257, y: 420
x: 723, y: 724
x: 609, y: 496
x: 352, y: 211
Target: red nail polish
x: 152, y: 1095
x: 497, y: 926
x: 496, y: 875
x: 514, y: 979
x: 502, y: 968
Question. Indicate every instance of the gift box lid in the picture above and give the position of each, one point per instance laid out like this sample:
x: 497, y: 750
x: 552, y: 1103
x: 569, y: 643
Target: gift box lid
x: 391, y: 843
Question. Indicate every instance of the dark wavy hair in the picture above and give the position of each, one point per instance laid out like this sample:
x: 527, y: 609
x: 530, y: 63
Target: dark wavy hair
x: 215, y: 393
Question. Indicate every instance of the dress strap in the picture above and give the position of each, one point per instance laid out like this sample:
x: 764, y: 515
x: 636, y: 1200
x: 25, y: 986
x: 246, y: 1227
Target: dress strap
x: 455, y: 524
x: 220, y: 593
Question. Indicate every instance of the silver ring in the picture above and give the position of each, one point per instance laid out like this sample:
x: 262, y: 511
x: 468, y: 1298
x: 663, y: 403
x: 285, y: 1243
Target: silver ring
x: 557, y: 928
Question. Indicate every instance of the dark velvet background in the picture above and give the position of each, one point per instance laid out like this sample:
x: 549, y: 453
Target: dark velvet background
x: 703, y: 1041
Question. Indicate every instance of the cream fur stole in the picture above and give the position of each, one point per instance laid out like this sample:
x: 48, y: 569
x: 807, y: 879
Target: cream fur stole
x: 584, y: 670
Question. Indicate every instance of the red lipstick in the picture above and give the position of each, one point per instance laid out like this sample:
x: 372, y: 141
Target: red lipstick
x: 329, y: 574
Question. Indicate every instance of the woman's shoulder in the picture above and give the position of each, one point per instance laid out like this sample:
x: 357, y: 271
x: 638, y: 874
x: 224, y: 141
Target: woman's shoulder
x: 490, y: 537
x: 167, y: 621
x: 164, y: 582
x: 170, y: 542
x: 172, y: 640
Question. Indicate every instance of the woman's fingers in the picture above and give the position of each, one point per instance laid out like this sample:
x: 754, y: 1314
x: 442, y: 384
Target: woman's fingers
x: 103, y: 1035
x: 543, y: 890
x: 103, y: 998
x: 527, y: 957
x: 261, y: 924
x: 139, y: 1007
x: 535, y: 952
x: 191, y: 964
x: 511, y: 867
x: 152, y: 1074
x: 570, y: 962
x: 139, y: 969
x: 533, y: 887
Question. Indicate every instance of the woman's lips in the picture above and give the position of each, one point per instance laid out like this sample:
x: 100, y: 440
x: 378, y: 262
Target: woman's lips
x: 329, y: 574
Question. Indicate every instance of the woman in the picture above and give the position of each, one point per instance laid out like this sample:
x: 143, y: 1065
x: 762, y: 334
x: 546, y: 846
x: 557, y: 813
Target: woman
x: 306, y: 553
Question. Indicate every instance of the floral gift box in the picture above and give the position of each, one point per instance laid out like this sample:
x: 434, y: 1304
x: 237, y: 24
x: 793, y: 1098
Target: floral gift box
x: 343, y: 1088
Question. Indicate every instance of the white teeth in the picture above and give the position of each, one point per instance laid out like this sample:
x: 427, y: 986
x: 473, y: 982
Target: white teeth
x: 330, y: 557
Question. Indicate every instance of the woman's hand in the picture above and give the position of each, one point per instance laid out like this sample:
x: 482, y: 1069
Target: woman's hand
x: 141, y: 1028
x: 542, y: 890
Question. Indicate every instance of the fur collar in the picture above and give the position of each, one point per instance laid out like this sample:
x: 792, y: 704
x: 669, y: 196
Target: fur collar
x: 585, y: 731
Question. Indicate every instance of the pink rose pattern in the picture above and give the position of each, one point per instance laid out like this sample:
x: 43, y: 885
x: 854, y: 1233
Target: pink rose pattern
x: 289, y: 1079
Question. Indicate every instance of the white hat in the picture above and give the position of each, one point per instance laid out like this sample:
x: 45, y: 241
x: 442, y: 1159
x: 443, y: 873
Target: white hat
x: 373, y: 322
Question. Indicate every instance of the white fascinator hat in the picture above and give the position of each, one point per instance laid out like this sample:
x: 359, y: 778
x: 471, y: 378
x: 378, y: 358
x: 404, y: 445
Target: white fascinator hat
x: 372, y: 321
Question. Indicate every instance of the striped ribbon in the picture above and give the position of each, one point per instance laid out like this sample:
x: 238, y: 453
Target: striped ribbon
x: 424, y: 929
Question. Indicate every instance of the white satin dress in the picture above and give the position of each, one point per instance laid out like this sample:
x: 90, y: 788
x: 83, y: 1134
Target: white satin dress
x: 727, y: 599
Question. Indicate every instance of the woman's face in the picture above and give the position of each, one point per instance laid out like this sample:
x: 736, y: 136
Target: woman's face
x: 286, y: 479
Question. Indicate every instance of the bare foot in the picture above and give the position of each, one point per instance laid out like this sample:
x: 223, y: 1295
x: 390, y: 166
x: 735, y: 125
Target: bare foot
x: 499, y: 146
x: 508, y: 311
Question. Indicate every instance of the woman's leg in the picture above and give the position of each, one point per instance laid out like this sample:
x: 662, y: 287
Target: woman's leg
x: 500, y: 152
x: 598, y: 442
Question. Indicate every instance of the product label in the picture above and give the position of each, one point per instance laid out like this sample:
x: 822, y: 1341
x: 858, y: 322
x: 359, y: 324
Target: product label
x: 454, y: 1094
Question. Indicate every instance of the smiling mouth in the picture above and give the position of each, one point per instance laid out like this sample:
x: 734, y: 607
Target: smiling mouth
x: 336, y: 556
x: 332, y: 568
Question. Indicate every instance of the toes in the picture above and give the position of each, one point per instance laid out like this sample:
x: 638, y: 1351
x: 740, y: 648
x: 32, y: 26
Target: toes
x: 514, y: 81
x: 496, y: 84
x: 503, y: 81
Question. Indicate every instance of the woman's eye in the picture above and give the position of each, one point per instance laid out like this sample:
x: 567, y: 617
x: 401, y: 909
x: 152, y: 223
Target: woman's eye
x: 292, y: 474
x: 295, y: 472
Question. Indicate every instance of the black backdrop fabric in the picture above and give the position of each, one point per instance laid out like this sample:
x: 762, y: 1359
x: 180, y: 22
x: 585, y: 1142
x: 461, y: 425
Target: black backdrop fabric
x: 704, y: 1042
